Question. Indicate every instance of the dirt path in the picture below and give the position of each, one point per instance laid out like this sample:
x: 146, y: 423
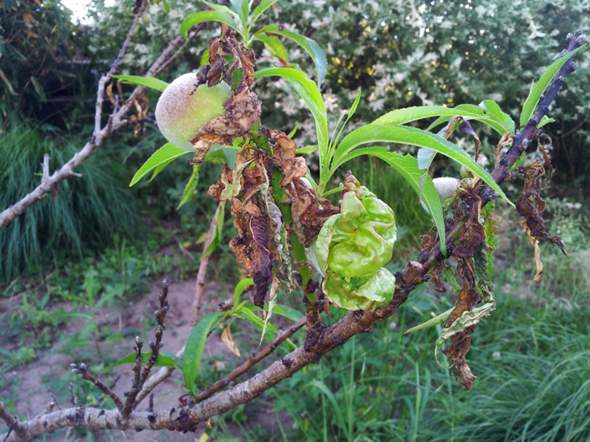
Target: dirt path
x: 34, y: 386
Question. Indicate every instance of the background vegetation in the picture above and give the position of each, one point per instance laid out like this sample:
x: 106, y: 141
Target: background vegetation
x: 97, y: 244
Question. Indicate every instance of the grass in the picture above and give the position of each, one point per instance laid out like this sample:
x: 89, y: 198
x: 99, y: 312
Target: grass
x: 81, y: 216
x: 531, y: 359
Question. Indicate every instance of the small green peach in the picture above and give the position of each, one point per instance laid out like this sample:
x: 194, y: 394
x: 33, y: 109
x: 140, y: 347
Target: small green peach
x: 184, y: 108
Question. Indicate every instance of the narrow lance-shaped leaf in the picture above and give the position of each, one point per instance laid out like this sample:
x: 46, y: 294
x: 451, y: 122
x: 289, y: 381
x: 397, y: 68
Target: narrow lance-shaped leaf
x: 240, y: 288
x: 217, y: 235
x: 197, y: 18
x: 260, y: 9
x: 190, y: 187
x: 195, y: 345
x: 165, y: 154
x: 310, y: 93
x: 419, y: 180
x: 163, y: 359
x: 539, y: 87
x: 415, y: 113
x: 309, y: 45
x: 274, y: 46
x: 493, y: 110
x: 376, y: 133
x: 147, y: 81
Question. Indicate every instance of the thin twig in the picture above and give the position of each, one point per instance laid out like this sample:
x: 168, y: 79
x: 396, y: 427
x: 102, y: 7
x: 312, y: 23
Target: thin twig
x: 86, y: 374
x: 12, y: 422
x: 251, y: 361
x: 137, y: 385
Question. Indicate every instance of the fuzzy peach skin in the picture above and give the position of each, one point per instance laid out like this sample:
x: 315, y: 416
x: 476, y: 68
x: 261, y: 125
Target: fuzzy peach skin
x: 183, y: 108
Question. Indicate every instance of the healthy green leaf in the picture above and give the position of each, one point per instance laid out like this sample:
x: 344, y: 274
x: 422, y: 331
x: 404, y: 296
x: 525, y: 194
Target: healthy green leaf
x: 163, y: 359
x: 240, y: 288
x: 415, y: 113
x: 419, y: 180
x: 190, y: 187
x: 493, y: 110
x: 377, y: 133
x: 195, y: 345
x: 222, y: 154
x: 545, y: 121
x: 310, y: 46
x: 287, y: 312
x: 206, y: 16
x: 242, y: 8
x: 539, y: 87
x: 164, y: 154
x: 310, y: 93
x: 261, y: 9
x: 147, y: 81
x: 274, y: 46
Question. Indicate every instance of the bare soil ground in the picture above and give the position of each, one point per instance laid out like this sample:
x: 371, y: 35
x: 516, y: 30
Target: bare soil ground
x: 33, y: 388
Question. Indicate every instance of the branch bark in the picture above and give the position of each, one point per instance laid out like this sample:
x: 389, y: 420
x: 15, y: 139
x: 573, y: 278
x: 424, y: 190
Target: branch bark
x: 186, y: 419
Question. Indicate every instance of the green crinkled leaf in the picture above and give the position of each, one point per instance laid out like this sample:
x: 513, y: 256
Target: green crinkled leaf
x: 493, y: 110
x: 195, y: 345
x: 420, y: 181
x: 274, y: 46
x: 147, y: 81
x: 415, y: 113
x: 163, y: 156
x: 260, y: 9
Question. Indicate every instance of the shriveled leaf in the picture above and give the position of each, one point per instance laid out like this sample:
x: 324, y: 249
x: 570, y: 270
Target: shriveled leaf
x: 195, y: 345
x: 165, y: 154
x: 163, y: 359
x: 190, y: 187
x: 147, y: 81
x: 197, y: 18
x: 376, y: 133
x: 228, y: 340
x: 539, y: 87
